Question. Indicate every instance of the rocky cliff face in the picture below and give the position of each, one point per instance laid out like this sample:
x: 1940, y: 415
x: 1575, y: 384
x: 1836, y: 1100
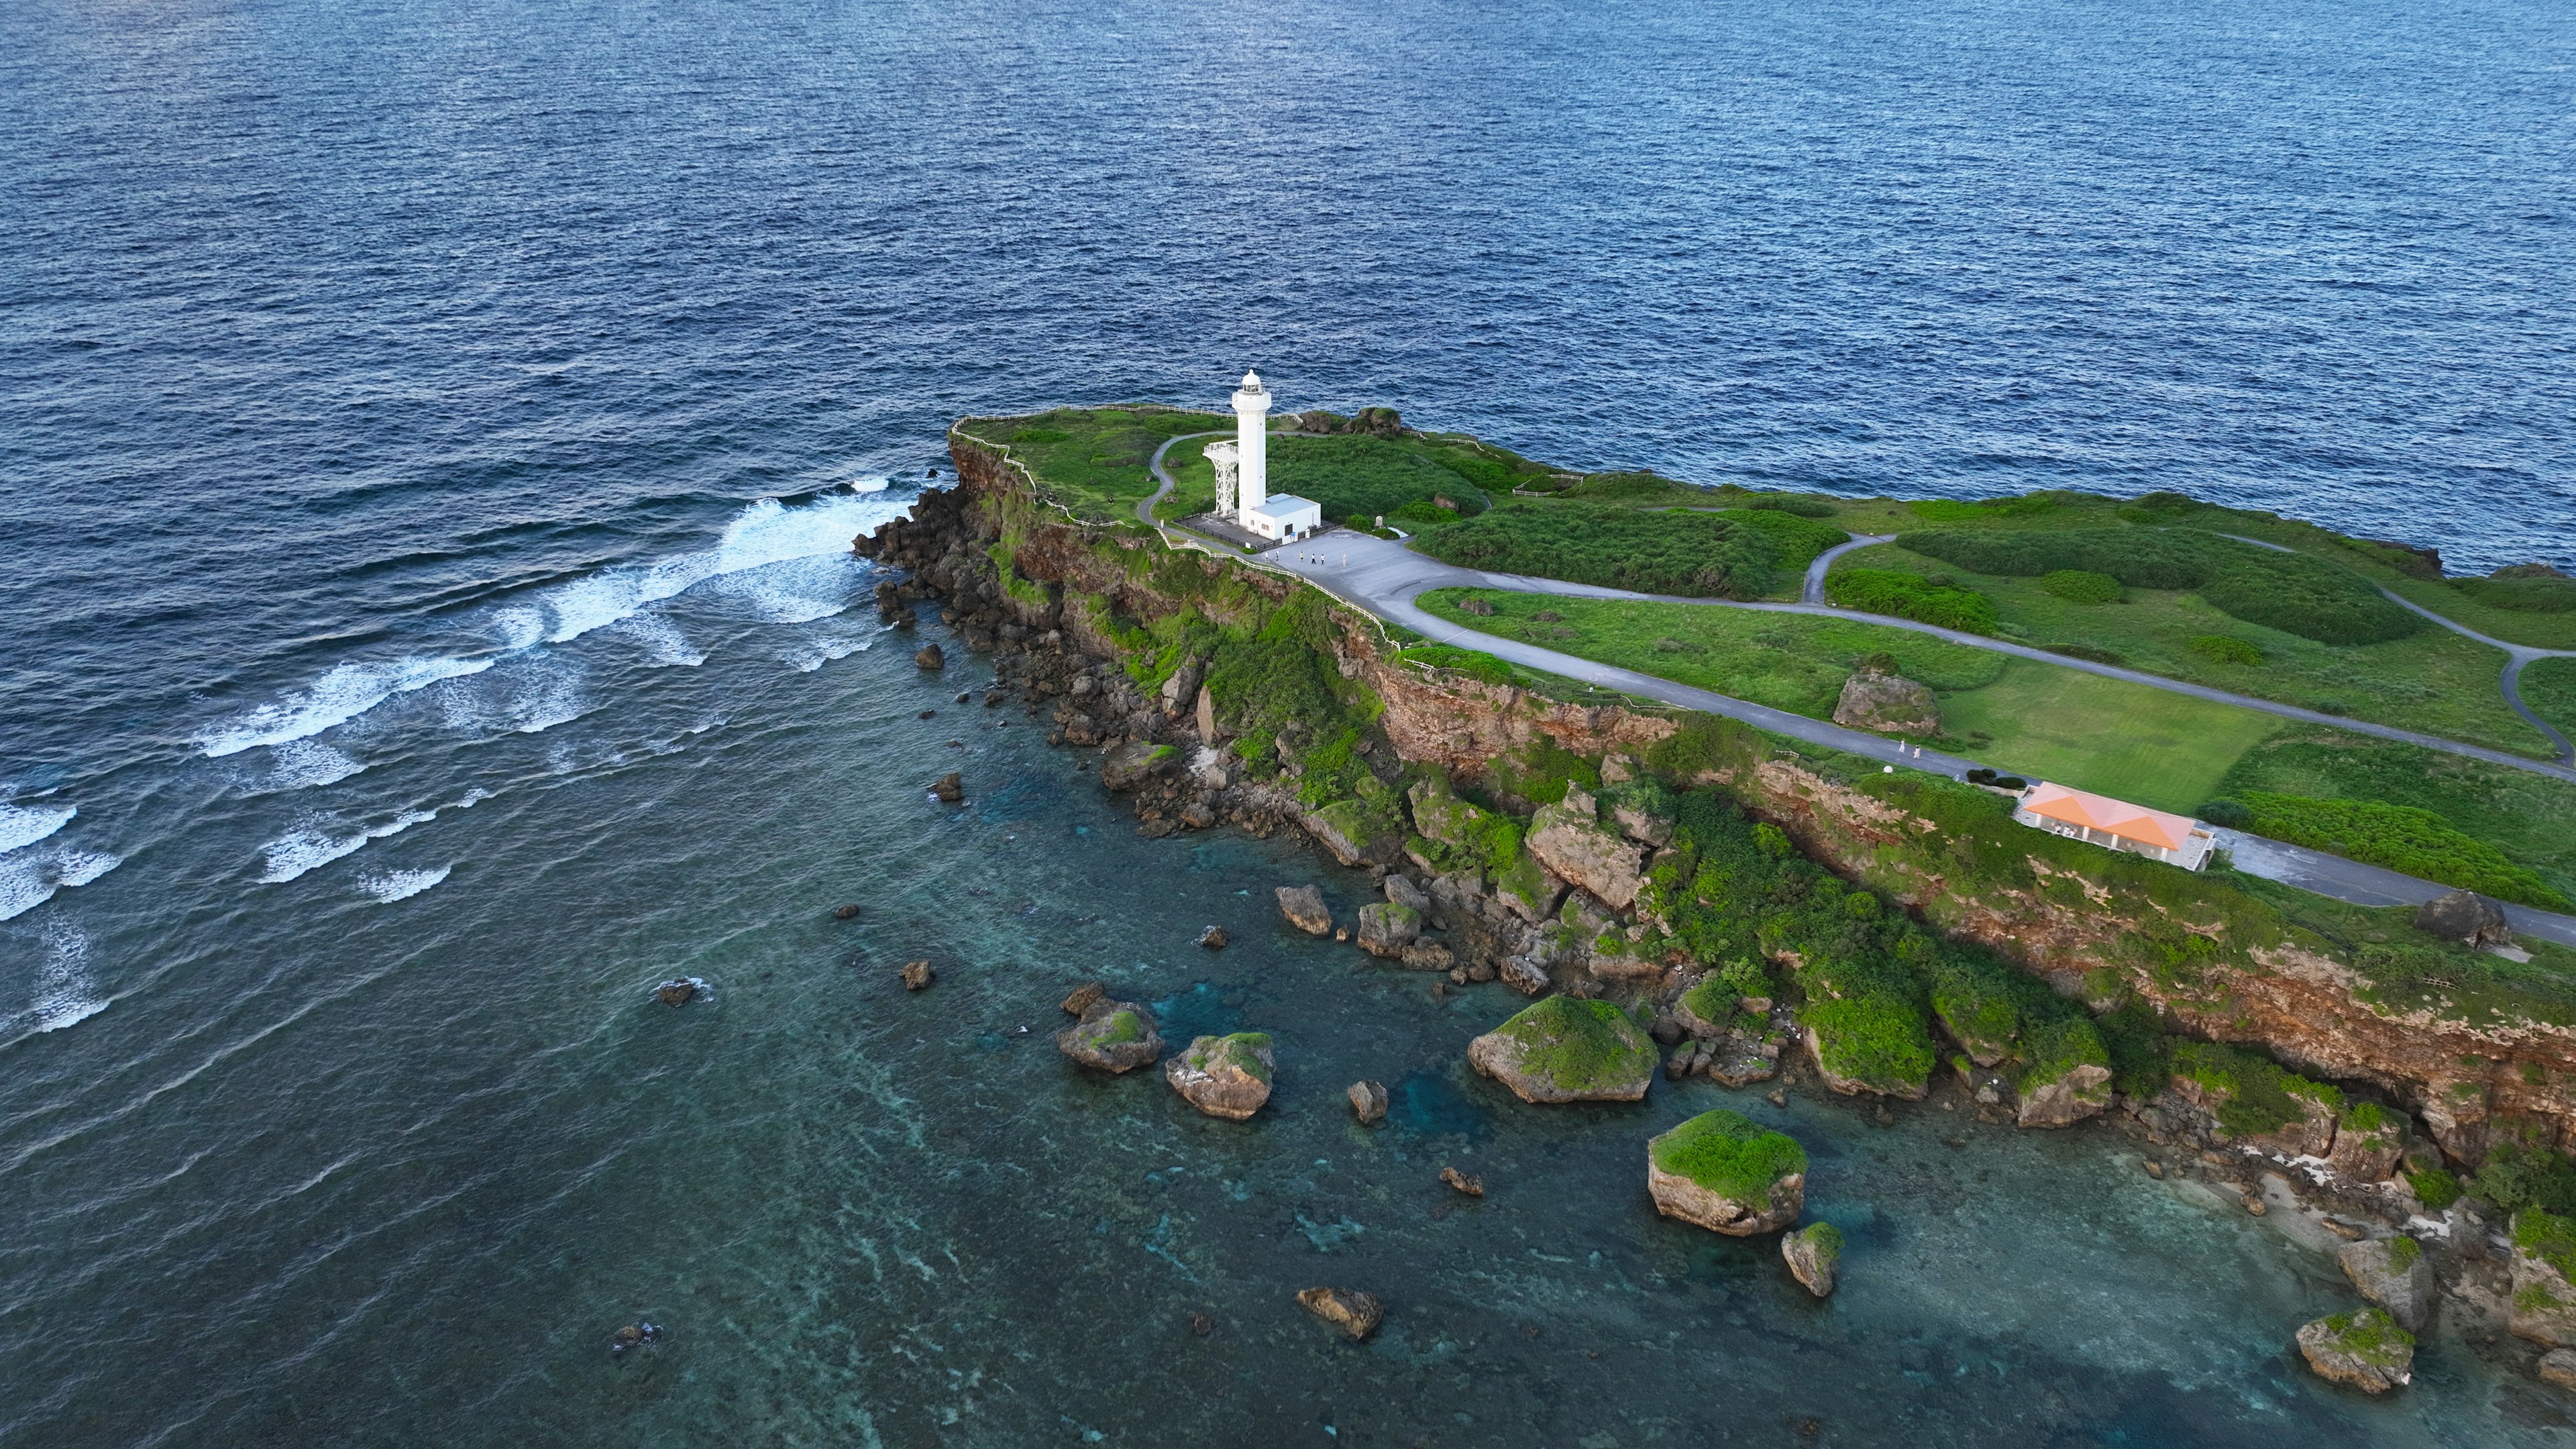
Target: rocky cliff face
x: 1064, y: 601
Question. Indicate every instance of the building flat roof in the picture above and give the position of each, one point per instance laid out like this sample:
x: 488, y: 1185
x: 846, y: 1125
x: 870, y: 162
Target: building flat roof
x: 1283, y: 505
x: 2112, y: 817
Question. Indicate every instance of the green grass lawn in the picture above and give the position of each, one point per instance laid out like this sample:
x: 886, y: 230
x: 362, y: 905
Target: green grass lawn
x: 1092, y: 460
x: 2131, y: 740
x: 1193, y: 480
x: 2549, y: 687
x: 2434, y: 681
x: 2530, y: 818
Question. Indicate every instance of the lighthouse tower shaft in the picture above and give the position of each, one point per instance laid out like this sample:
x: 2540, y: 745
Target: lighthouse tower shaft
x: 1251, y: 432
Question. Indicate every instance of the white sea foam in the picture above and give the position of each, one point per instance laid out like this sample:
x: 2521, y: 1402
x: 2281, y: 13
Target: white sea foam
x: 402, y: 885
x: 30, y: 877
x: 762, y: 534
x: 302, y: 764
x: 767, y: 532
x: 344, y: 693
x: 27, y: 824
x: 663, y: 642
x: 815, y: 653
x: 874, y: 484
x: 64, y: 993
x: 318, y: 842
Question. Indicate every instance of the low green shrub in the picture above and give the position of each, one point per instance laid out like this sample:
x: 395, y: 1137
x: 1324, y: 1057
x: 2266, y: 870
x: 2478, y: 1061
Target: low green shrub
x: 1910, y: 596
x: 2227, y: 814
x: 1797, y: 503
x: 2517, y: 1176
x: 2223, y: 649
x: 1872, y: 1040
x: 1703, y: 747
x: 1355, y: 473
x: 2403, y: 838
x: 2258, y: 1096
x: 2141, y: 1050
x: 2435, y: 1188
x: 2081, y: 586
x: 2548, y: 1236
x: 1797, y: 537
x: 2547, y: 592
x: 2094, y: 652
x: 1695, y: 555
x: 2292, y: 592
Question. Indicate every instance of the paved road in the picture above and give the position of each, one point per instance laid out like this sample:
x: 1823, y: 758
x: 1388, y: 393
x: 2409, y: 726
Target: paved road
x: 2516, y: 655
x: 1387, y: 573
x: 1383, y: 578
x: 1814, y: 593
x: 1145, y: 510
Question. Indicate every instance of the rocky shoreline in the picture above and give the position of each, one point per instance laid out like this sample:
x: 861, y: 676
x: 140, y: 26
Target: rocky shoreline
x: 1564, y: 904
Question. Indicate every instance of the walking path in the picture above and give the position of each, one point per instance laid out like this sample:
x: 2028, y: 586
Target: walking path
x: 1384, y: 577
x: 2516, y: 655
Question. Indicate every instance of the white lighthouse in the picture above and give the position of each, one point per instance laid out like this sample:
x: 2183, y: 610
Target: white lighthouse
x: 1251, y: 441
x: 1283, y: 518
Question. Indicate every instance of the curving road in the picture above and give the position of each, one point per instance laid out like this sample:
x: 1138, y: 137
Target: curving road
x: 1384, y: 578
x: 2516, y: 655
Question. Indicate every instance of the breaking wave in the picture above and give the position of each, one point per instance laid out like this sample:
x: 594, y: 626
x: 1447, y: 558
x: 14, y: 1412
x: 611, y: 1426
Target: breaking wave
x: 27, y: 824
x: 402, y: 885
x: 317, y: 843
x: 29, y: 878
x: 764, y: 533
x: 64, y: 994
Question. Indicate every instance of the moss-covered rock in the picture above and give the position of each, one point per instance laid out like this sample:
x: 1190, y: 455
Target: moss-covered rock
x: 1133, y: 763
x: 1569, y: 839
x: 1114, y: 1036
x: 1461, y: 835
x: 2369, y: 1143
x: 2067, y: 1076
x: 2364, y: 1350
x: 2392, y: 1273
x: 1567, y: 1049
x: 1814, y: 1253
x: 2544, y: 1266
x: 1707, y: 1010
x: 1529, y: 889
x: 1727, y: 1173
x: 1387, y: 927
x: 1224, y: 1076
x: 1870, y: 1044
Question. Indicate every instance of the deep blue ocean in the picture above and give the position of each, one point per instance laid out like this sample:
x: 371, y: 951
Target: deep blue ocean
x: 430, y: 438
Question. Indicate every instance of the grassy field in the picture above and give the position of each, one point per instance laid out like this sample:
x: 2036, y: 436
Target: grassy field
x: 2434, y: 681
x: 2139, y: 743
x: 2530, y: 818
x: 1092, y: 460
x: 2549, y: 687
x: 2132, y: 741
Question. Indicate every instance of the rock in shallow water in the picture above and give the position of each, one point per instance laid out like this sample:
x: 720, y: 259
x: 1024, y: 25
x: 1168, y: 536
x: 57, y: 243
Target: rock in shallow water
x: 676, y: 993
x: 1304, y: 907
x: 1727, y: 1173
x: 1085, y: 994
x: 1355, y: 1314
x: 1114, y: 1036
x: 2364, y: 1350
x: 1813, y: 1253
x: 1368, y: 1101
x: 1224, y: 1076
x: 1568, y: 1049
x: 917, y: 975
x: 930, y: 657
x: 2558, y: 1366
x: 1213, y: 938
x: 2394, y: 1274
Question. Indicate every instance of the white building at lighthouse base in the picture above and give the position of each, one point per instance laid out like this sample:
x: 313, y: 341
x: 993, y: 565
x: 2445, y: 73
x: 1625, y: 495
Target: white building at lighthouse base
x: 1284, y: 517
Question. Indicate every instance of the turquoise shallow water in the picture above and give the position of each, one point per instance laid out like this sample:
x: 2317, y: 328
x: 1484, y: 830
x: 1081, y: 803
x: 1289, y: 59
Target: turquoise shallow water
x: 429, y: 439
